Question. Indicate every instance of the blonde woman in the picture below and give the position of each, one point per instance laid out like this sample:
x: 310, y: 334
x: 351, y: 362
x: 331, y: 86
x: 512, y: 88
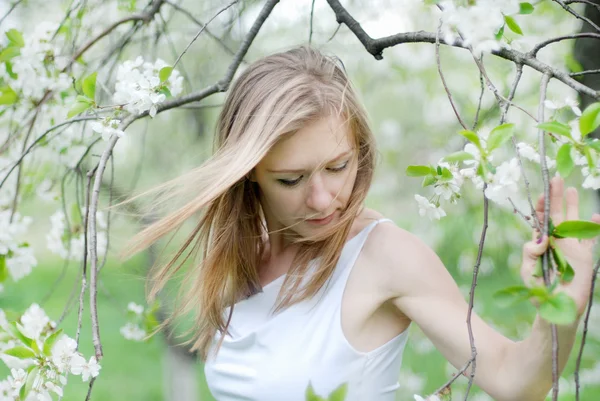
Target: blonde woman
x: 295, y: 283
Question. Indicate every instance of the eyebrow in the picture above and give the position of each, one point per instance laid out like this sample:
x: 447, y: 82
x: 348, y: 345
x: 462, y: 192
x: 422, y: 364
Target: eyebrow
x: 341, y: 155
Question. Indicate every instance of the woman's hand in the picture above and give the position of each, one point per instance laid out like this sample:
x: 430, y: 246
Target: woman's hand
x: 577, y: 252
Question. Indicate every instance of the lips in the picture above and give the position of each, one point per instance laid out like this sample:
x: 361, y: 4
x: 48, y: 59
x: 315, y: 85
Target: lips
x: 324, y: 220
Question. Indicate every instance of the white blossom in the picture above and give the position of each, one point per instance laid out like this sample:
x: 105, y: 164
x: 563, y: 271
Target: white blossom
x: 477, y: 23
x: 107, y: 128
x: 50, y: 386
x: 86, y: 369
x: 135, y: 308
x: 529, y: 153
x: 133, y: 332
x: 138, y: 85
x: 63, y: 351
x: 6, y: 391
x: 428, y: 209
x: 504, y: 183
x: 58, y: 238
x: 34, y: 321
x: 555, y: 105
x: 592, y: 178
x: 17, y: 380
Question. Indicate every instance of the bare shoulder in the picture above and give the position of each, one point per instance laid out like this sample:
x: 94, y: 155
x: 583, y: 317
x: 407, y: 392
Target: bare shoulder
x: 401, y: 261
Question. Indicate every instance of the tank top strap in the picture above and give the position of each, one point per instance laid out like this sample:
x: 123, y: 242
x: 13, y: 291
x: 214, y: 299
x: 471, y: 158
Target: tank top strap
x: 351, y: 252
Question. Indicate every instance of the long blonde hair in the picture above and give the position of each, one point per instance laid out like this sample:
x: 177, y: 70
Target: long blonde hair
x: 274, y: 97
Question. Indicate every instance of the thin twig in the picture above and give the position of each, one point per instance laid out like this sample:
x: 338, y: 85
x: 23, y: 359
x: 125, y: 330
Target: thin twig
x: 480, y: 101
x: 577, y: 15
x: 376, y: 46
x: 85, y: 240
x: 439, y: 68
x: 310, y: 32
x: 221, y: 85
x: 585, y: 329
x: 38, y: 139
x: 143, y: 17
x: 587, y: 72
x: 202, y: 30
x: 15, y: 4
x: 472, y: 291
x: 198, y: 22
x: 588, y: 2
x: 546, y: 255
x: 533, y: 52
x: 520, y: 213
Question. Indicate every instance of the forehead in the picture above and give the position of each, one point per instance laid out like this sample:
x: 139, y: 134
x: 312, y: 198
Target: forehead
x: 317, y: 142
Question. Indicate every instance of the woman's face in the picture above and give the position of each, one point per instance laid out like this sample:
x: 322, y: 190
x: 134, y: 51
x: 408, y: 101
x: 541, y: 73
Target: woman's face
x: 308, y: 176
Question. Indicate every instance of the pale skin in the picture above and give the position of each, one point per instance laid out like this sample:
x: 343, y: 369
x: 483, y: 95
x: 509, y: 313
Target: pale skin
x: 398, y: 279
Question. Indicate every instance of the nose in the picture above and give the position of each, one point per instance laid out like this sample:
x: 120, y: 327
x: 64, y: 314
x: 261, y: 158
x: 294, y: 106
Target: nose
x: 319, y: 198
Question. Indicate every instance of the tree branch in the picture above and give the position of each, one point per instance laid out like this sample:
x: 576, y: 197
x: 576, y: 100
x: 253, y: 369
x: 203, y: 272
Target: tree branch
x: 585, y: 329
x: 144, y: 17
x: 376, y: 47
x: 222, y: 85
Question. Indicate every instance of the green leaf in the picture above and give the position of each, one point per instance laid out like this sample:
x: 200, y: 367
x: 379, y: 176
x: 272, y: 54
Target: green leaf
x: 559, y: 309
x: 14, y: 330
x: 3, y: 269
x: 78, y: 108
x: 8, y: 96
x: 512, y: 24
x: 88, y: 86
x: 84, y: 99
x: 20, y: 352
x: 9, y: 53
x: 568, y: 274
x: 35, y: 347
x: 15, y: 37
x: 311, y: 395
x: 165, y: 91
x: 472, y: 137
x: 593, y: 143
x: 525, y: 8
x: 564, y: 162
x: 500, y: 33
x: 577, y: 229
x: 165, y: 73
x: 339, y: 394
x: 429, y: 180
x: 459, y: 157
x: 499, y: 135
x: 50, y: 340
x: 556, y: 127
x: 511, y: 295
x: 419, y: 171
x: 31, y: 376
x: 590, y: 119
x: 446, y: 174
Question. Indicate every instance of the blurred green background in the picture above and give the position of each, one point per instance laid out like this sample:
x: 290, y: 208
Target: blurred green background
x: 413, y: 123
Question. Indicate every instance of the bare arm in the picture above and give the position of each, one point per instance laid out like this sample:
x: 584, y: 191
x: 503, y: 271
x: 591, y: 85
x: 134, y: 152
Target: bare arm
x: 420, y: 286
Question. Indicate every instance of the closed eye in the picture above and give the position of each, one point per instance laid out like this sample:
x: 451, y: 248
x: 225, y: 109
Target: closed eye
x: 292, y: 183
x: 338, y: 168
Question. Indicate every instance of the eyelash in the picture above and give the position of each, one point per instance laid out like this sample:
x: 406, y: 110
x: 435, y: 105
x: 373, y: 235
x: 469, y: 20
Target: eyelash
x: 292, y: 183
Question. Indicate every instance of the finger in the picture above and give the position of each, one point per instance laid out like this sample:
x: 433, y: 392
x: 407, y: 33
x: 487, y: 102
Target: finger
x: 556, y: 200
x: 596, y: 218
x: 539, y: 208
x: 572, y: 204
x: 531, y: 252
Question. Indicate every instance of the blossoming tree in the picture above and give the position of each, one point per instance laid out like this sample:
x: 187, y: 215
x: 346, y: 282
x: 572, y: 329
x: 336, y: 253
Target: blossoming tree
x: 66, y: 97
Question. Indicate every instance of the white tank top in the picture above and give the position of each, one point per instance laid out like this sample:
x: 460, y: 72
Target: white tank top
x: 274, y: 357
